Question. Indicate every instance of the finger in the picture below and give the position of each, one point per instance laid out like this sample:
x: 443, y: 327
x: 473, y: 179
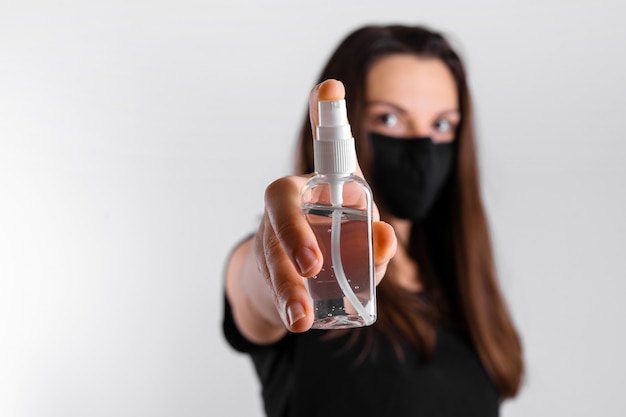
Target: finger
x: 259, y: 251
x: 284, y: 211
x: 384, y: 241
x: 287, y: 287
x: 385, y: 244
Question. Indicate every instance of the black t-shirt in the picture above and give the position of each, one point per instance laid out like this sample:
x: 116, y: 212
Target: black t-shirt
x: 309, y: 374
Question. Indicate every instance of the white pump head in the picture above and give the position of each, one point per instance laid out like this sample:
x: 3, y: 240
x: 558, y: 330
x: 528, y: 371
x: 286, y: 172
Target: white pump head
x: 333, y: 113
x: 334, y: 148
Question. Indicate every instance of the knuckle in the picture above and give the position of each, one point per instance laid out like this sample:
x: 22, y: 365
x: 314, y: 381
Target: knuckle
x: 285, y: 288
x: 276, y: 188
x: 287, y: 233
x: 272, y: 248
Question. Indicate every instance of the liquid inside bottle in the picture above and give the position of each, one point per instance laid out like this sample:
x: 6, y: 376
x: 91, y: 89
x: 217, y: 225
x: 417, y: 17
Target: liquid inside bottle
x: 332, y: 307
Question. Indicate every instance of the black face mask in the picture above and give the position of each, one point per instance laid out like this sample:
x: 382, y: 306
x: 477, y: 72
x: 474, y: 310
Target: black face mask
x: 409, y: 173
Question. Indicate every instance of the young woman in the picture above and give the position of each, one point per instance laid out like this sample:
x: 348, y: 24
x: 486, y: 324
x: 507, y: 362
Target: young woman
x: 444, y: 343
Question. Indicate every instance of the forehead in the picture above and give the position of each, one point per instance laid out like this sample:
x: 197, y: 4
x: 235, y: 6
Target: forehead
x: 412, y: 82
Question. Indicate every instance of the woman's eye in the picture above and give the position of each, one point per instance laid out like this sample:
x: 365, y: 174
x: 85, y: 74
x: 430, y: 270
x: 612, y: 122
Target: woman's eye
x: 443, y: 126
x: 390, y: 120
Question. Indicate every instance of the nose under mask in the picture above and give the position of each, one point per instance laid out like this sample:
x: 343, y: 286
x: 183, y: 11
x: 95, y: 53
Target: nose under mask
x: 409, y: 173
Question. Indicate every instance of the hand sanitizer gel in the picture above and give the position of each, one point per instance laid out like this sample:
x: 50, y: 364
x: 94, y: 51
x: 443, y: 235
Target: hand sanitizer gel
x: 338, y: 206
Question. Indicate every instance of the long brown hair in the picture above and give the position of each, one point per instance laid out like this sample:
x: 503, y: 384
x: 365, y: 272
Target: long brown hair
x: 452, y: 246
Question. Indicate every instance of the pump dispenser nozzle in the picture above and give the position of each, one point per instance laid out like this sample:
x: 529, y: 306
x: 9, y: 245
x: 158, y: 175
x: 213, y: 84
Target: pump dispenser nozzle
x: 333, y: 113
x: 334, y: 147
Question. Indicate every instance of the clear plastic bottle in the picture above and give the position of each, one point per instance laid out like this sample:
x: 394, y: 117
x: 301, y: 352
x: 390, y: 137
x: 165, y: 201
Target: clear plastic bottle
x: 338, y: 206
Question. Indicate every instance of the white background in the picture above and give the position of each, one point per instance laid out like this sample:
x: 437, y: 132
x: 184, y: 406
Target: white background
x: 136, y: 139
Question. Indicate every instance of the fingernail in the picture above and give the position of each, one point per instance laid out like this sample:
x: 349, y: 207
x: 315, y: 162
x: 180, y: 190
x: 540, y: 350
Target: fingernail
x: 306, y: 260
x: 295, y: 312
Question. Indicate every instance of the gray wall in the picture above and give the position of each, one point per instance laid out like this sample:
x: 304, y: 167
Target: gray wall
x: 136, y: 138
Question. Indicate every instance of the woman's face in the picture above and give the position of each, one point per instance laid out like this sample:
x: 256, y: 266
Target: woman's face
x: 409, y: 96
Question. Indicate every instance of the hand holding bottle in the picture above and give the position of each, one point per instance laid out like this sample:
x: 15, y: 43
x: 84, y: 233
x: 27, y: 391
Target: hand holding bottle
x: 285, y: 250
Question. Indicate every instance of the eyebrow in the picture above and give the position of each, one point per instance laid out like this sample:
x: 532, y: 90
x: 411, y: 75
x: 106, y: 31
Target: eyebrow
x: 403, y: 111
